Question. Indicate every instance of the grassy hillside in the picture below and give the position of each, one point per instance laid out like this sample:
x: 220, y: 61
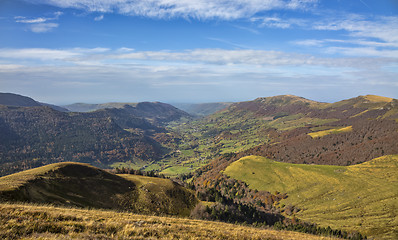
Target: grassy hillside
x: 161, y: 196
x: 47, y: 222
x: 76, y: 184
x: 361, y: 197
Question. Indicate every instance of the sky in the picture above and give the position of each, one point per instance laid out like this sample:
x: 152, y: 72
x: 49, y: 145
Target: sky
x: 191, y: 51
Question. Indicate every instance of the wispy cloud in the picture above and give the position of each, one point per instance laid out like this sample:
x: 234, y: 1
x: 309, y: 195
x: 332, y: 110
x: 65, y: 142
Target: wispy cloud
x: 356, y: 34
x: 40, y: 24
x: 176, y: 75
x: 99, y: 18
x: 209, y: 57
x: 197, y: 9
x: 43, y: 27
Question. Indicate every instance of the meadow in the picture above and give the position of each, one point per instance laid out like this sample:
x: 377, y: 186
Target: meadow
x: 361, y: 197
x: 29, y: 221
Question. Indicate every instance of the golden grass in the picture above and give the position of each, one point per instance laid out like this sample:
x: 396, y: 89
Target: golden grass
x: 330, y: 131
x: 48, y: 222
x: 158, y: 195
x: 361, y: 197
x: 375, y: 98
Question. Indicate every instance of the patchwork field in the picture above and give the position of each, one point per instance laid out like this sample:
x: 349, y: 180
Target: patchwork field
x: 361, y: 197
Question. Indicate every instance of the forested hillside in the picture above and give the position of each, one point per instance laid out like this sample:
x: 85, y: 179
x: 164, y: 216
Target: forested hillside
x: 34, y: 136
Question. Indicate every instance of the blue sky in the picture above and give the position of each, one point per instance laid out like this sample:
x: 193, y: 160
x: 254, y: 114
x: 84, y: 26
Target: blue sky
x: 65, y: 51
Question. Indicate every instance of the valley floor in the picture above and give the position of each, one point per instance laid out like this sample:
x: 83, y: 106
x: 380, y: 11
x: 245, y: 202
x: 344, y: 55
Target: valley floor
x: 48, y: 222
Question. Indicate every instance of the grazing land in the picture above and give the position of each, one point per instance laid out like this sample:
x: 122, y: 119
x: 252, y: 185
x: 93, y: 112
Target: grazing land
x: 361, y: 197
x: 81, y: 185
x: 48, y: 222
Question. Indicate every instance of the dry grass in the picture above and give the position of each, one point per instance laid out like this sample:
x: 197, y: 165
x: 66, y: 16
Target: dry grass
x: 375, y: 98
x: 330, y: 131
x: 47, y: 222
x: 361, y: 197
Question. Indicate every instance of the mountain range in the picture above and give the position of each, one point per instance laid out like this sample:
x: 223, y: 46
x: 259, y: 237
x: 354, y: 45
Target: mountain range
x: 354, y: 137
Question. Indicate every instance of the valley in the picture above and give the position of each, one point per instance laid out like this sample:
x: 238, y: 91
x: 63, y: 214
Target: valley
x: 284, y: 161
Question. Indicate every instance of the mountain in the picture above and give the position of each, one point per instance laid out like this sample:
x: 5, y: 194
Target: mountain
x: 157, y: 111
x: 81, y: 185
x: 58, y: 108
x: 297, y: 130
x: 202, y: 109
x: 35, y: 136
x: 87, y: 107
x: 315, y: 153
x: 11, y: 99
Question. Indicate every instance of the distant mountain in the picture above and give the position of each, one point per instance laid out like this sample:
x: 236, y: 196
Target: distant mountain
x: 55, y: 107
x: 35, y: 136
x: 202, y: 109
x: 156, y: 111
x: 81, y: 185
x: 86, y: 107
x: 11, y: 99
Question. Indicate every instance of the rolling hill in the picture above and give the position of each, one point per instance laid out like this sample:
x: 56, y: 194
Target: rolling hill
x: 81, y: 185
x: 285, y: 127
x: 361, y: 197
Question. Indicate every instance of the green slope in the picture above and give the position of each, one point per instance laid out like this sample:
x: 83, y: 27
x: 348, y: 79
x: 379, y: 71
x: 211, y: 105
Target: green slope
x: 361, y: 197
x: 81, y: 185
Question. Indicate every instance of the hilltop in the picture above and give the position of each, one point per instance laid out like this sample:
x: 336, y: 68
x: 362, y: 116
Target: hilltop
x: 15, y: 100
x: 81, y: 185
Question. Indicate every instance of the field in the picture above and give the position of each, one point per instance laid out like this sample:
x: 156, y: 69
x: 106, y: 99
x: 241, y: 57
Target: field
x: 49, y: 222
x: 323, y: 133
x: 361, y: 197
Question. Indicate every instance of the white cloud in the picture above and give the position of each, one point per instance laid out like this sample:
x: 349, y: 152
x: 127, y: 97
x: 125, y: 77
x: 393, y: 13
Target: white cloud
x: 99, y: 18
x: 37, y: 54
x: 187, y: 75
x: 206, y: 57
x: 24, y: 20
x: 40, y: 24
x: 43, y: 27
x: 198, y: 9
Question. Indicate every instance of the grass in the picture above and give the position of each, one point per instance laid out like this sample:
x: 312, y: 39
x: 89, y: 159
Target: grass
x: 176, y: 170
x: 81, y: 185
x: 16, y: 180
x: 361, y: 197
x: 161, y: 196
x: 47, y: 222
x: 323, y: 133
